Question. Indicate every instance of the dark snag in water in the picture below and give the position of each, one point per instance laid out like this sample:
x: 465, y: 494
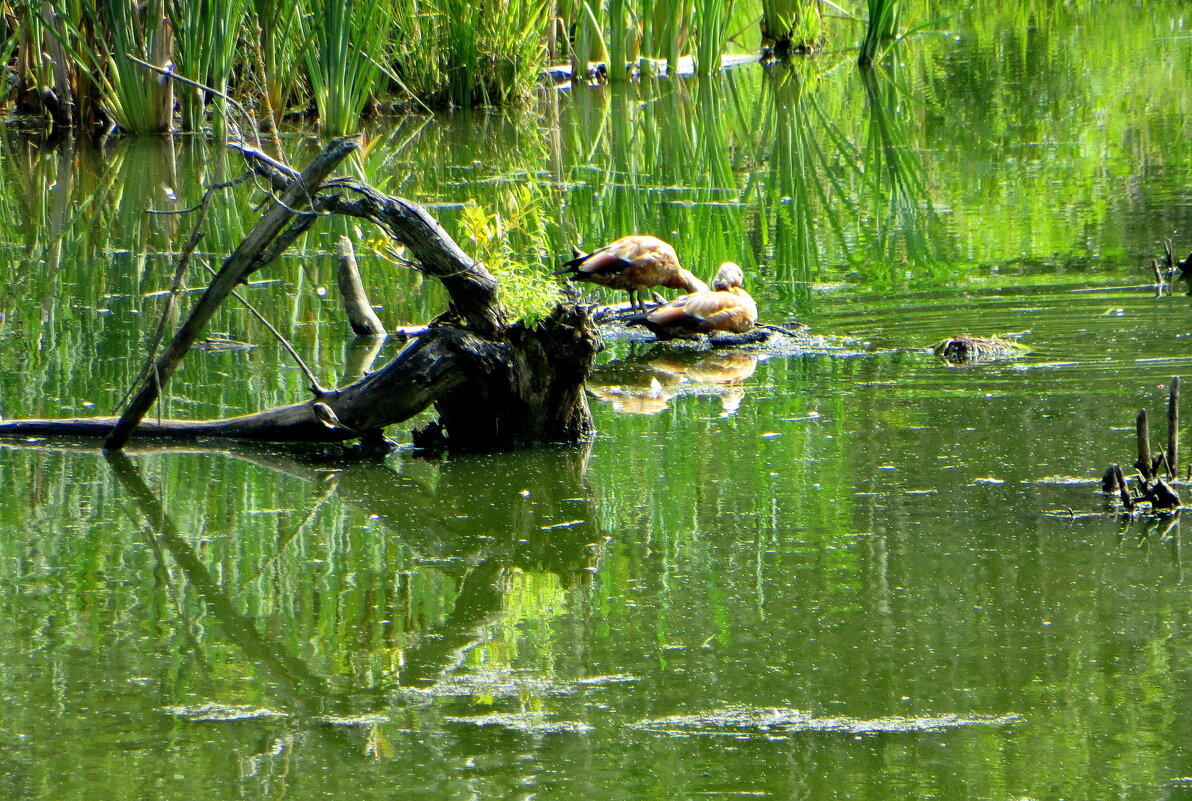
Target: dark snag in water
x: 1142, y: 433
x: 495, y: 385
x: 1153, y: 489
x: 1184, y: 267
x: 1173, y: 427
x: 361, y: 317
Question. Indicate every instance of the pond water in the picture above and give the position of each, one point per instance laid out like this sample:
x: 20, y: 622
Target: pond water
x: 853, y: 572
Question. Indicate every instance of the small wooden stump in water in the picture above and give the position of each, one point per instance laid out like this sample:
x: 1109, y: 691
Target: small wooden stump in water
x: 1153, y: 489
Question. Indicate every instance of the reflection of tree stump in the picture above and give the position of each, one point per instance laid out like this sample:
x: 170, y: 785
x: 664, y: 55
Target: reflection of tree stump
x: 495, y: 385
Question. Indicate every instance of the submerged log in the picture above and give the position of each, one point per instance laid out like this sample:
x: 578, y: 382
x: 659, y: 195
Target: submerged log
x: 495, y: 385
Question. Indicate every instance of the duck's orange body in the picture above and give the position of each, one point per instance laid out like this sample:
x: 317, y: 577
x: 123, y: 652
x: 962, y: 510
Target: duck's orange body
x: 635, y: 264
x: 726, y: 307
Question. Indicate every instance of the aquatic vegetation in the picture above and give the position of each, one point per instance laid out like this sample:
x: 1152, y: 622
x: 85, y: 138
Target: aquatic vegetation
x: 511, y: 242
x: 344, y: 45
x: 348, y: 59
x: 712, y: 19
x: 455, y: 52
x: 273, y: 48
x: 880, y: 27
x: 790, y: 26
x: 95, y: 37
x: 760, y: 720
x: 206, y: 37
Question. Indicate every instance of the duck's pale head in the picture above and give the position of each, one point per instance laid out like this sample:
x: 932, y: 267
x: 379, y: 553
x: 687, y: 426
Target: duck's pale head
x: 729, y: 275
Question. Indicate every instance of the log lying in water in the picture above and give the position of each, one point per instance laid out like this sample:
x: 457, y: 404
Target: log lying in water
x: 430, y: 367
x: 495, y: 385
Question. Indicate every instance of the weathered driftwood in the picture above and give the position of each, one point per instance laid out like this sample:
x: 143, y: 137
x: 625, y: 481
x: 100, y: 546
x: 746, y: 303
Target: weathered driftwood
x: 495, y: 385
x: 362, y: 318
x: 246, y: 259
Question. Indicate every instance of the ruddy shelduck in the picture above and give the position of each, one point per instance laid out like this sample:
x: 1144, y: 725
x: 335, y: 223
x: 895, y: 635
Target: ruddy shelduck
x: 725, y: 307
x: 635, y: 264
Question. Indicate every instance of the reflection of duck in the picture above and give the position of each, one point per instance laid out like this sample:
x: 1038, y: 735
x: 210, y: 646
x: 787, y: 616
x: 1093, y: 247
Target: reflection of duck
x: 726, y: 307
x: 635, y: 264
x: 719, y: 374
x: 651, y: 400
x: 731, y: 367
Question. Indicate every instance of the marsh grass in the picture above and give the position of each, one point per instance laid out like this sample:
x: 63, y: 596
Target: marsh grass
x: 344, y: 59
x: 460, y: 53
x: 881, y: 26
x: 343, y: 46
x: 712, y: 28
x: 207, y: 35
x: 670, y: 24
x: 273, y: 46
x: 791, y: 26
x: 513, y: 242
x: 95, y: 35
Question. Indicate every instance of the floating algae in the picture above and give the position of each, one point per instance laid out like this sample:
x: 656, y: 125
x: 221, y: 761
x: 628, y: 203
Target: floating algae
x: 755, y: 720
x: 530, y: 722
x: 506, y: 684
x: 222, y: 713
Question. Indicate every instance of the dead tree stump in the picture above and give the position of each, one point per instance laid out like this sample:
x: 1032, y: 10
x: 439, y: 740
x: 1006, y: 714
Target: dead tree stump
x: 495, y: 385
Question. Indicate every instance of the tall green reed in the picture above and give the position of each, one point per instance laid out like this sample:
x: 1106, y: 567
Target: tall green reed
x: 207, y: 34
x: 880, y: 28
x: 712, y: 29
x: 273, y: 46
x: 456, y: 52
x: 344, y: 44
x: 98, y: 35
x: 669, y: 24
x: 619, y: 35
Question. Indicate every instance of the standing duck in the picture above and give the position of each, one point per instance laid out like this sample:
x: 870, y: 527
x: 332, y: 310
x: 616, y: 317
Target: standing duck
x: 726, y: 307
x: 635, y: 264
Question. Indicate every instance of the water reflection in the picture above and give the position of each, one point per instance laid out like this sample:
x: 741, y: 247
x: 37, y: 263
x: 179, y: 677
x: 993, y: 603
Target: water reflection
x: 646, y: 382
x: 474, y: 525
x: 867, y: 538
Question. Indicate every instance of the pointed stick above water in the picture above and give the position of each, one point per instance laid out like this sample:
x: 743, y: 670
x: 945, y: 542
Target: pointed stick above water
x: 1173, y: 427
x: 1143, y: 432
x: 1123, y: 489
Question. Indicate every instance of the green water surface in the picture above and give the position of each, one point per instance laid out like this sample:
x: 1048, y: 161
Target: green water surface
x: 852, y: 572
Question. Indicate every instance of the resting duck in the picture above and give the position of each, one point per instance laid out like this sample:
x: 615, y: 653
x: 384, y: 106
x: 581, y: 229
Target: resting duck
x: 635, y: 264
x: 726, y: 307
